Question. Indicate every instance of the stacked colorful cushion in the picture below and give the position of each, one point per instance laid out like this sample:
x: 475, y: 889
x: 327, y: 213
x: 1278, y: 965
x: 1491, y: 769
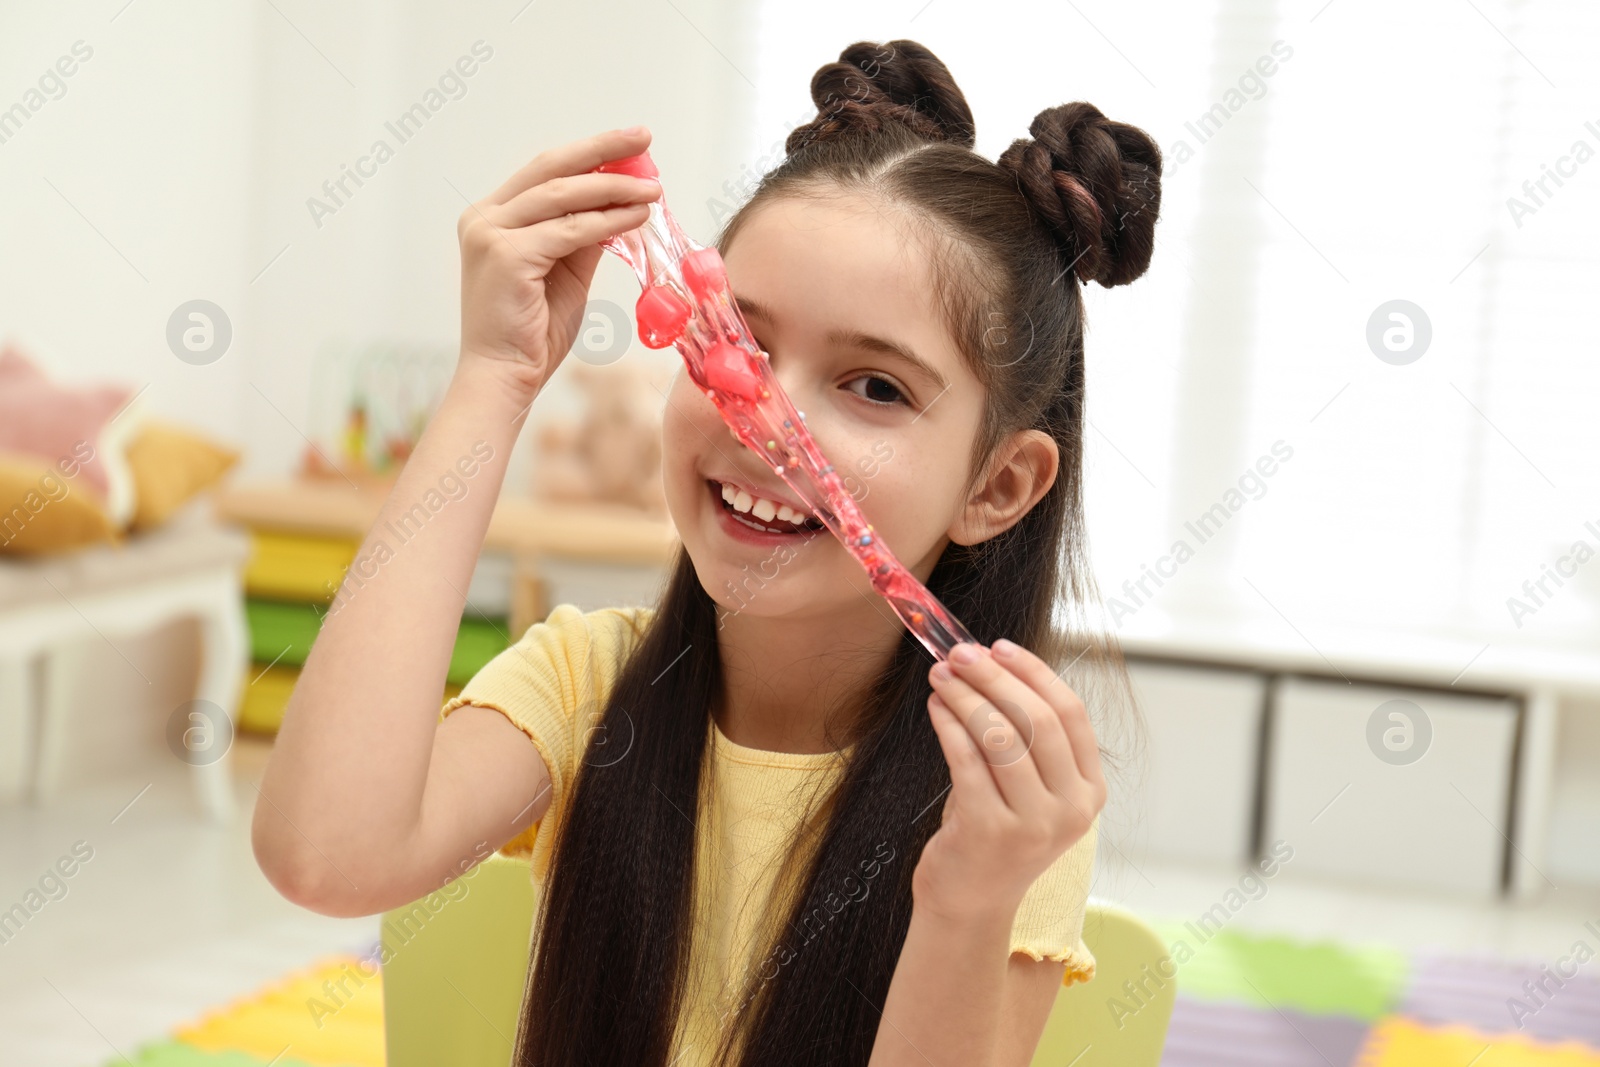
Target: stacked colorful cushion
x: 289, y: 583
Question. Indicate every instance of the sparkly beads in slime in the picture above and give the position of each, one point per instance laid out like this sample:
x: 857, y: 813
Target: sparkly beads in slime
x: 687, y: 303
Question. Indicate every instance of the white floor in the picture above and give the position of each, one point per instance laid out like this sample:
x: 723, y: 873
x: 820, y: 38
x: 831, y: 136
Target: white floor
x: 171, y: 917
x: 168, y: 918
x: 1311, y: 909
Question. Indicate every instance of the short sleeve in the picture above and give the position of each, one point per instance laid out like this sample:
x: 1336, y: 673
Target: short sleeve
x: 1049, y: 922
x: 553, y: 684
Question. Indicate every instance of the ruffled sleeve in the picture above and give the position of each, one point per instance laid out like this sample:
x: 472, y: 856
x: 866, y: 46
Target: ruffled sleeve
x: 1049, y: 922
x: 553, y: 684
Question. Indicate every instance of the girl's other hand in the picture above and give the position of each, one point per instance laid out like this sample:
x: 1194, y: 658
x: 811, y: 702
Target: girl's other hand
x: 1026, y: 782
x: 529, y: 251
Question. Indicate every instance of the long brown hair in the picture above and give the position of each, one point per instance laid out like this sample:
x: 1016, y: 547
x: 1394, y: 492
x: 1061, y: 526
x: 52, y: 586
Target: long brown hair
x: 1012, y: 241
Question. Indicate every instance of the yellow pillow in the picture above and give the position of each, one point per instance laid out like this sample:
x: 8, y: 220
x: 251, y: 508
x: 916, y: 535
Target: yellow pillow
x: 170, y: 465
x: 45, y: 508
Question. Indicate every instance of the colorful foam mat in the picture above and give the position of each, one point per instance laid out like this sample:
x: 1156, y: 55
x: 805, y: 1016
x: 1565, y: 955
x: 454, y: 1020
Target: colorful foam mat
x: 328, y: 1015
x: 1243, y: 1001
x: 1400, y: 1042
x: 1274, y: 972
x: 1555, y: 1001
x: 1247, y: 1000
x: 1204, y: 1033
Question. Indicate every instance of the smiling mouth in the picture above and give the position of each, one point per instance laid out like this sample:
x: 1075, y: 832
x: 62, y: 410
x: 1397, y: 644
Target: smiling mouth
x: 760, y: 515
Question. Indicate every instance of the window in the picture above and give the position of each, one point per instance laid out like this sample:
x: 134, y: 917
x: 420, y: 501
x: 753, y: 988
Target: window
x: 1322, y: 160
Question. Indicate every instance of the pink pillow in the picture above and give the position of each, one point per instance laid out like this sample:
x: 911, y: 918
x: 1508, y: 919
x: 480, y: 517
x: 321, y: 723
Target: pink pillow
x: 41, y: 418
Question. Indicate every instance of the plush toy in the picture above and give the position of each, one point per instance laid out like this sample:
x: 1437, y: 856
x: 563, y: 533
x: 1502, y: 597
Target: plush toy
x: 611, y: 453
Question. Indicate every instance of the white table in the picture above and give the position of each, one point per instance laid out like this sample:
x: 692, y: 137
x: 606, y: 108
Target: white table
x: 52, y: 608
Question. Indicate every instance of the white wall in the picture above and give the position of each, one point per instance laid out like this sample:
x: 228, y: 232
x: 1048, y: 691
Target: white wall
x: 130, y: 194
x: 194, y: 135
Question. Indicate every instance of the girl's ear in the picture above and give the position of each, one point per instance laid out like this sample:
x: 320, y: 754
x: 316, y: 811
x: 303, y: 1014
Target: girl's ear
x: 1023, y: 470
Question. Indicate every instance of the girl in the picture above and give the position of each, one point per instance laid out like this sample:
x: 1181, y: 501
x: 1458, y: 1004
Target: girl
x: 763, y: 830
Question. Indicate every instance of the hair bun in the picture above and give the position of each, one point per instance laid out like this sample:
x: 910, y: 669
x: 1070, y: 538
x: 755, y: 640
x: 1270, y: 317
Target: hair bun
x: 872, y: 84
x: 1097, y: 183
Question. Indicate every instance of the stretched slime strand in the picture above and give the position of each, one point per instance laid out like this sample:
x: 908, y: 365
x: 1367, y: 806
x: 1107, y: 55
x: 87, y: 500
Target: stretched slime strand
x: 686, y: 302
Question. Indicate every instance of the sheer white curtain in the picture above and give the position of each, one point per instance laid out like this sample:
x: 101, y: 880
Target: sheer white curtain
x: 1323, y: 159
x: 1427, y: 492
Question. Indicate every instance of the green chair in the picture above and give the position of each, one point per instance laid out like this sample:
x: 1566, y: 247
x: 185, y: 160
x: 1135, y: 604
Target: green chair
x: 455, y: 964
x: 453, y: 978
x: 1119, y: 1017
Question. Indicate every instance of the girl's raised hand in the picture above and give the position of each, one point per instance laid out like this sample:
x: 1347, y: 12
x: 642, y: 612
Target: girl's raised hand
x: 1025, y: 775
x: 529, y: 250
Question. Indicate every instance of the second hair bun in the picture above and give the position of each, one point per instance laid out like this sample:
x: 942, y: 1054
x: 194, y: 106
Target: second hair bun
x: 1097, y: 184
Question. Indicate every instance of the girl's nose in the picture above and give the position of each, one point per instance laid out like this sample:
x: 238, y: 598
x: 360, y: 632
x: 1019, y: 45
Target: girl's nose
x: 798, y: 385
x: 810, y: 407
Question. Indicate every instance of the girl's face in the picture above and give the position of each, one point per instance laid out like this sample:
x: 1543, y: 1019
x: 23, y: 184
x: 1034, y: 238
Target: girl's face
x: 838, y: 293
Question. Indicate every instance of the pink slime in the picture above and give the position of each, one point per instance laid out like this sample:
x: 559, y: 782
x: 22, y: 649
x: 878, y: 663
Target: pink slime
x: 686, y: 302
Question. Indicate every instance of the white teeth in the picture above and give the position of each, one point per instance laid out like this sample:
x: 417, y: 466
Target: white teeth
x: 762, y: 508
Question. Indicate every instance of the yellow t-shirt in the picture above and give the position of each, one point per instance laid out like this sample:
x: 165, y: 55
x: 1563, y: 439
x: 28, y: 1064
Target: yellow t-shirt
x: 553, y: 684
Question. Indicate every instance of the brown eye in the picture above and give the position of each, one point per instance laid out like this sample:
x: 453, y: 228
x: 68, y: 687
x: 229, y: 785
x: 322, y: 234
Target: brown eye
x: 879, y: 390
